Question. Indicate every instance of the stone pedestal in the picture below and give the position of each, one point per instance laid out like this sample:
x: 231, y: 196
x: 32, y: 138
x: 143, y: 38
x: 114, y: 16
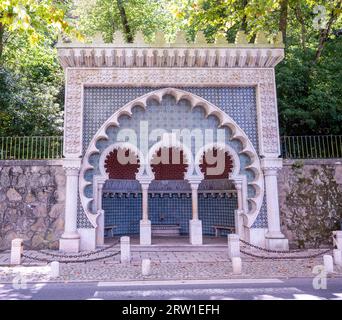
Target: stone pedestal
x: 195, y: 230
x: 145, y: 232
x: 275, y: 243
x: 71, y: 245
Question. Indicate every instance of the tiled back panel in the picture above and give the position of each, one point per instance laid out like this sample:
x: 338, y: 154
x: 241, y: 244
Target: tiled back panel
x: 124, y: 211
x: 101, y: 102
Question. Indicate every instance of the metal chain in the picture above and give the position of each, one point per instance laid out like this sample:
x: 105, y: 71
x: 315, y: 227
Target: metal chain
x: 286, y: 257
x: 71, y: 261
x: 268, y: 250
x: 79, y: 255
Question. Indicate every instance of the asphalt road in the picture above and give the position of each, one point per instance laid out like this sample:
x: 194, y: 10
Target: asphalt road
x: 263, y: 289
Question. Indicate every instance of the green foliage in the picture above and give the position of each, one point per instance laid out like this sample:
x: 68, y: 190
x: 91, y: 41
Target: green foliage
x: 104, y: 16
x: 31, y: 79
x: 309, y: 95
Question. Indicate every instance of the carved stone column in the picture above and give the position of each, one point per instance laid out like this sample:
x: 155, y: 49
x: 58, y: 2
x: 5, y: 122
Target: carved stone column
x: 238, y: 220
x: 145, y: 223
x: 101, y: 217
x: 275, y: 240
x: 195, y: 225
x: 70, y: 239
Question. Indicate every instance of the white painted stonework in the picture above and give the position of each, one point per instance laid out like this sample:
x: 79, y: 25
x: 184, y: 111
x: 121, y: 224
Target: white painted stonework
x: 170, y: 66
x: 16, y: 251
x: 195, y: 230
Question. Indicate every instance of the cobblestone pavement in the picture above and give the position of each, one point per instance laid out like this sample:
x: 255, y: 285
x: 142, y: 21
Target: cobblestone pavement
x: 166, y: 265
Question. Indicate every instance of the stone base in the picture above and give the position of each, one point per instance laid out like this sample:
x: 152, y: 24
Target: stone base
x: 277, y: 243
x: 145, y: 232
x: 69, y: 245
x: 195, y: 231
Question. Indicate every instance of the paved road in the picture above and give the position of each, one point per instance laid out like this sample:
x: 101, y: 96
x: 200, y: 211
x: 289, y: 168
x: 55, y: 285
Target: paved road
x: 221, y: 290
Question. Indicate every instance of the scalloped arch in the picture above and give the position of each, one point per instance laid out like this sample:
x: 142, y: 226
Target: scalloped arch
x: 195, y: 101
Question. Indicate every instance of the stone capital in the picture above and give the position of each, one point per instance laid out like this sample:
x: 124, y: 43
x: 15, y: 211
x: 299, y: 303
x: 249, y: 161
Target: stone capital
x: 71, y: 166
x: 271, y: 166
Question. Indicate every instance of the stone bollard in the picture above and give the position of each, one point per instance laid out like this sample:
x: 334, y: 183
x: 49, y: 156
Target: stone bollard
x: 337, y: 239
x: 146, y: 267
x: 54, y: 269
x: 125, y: 250
x: 337, y: 257
x: 233, y: 245
x: 328, y: 263
x: 16, y: 251
x: 237, y: 265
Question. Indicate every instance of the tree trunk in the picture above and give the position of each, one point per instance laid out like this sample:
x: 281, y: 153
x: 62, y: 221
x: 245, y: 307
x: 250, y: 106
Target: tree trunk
x: 324, y: 34
x: 300, y: 18
x: 244, y: 18
x: 124, y: 21
x: 283, y: 18
x: 2, y: 34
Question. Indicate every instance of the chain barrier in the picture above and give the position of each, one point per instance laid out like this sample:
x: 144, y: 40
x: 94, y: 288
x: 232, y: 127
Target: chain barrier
x: 75, y: 257
x: 71, y: 261
x: 286, y: 257
x: 267, y: 250
x: 80, y: 255
x: 278, y: 251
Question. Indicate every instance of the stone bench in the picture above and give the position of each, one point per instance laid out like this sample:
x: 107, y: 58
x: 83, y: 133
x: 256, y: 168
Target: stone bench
x: 218, y: 229
x: 109, y: 230
x: 166, y: 230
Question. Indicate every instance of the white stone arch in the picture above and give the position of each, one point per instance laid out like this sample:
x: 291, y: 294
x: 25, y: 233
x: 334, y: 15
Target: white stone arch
x: 210, y: 109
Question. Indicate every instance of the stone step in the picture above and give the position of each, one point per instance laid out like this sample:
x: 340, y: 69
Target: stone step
x: 182, y: 248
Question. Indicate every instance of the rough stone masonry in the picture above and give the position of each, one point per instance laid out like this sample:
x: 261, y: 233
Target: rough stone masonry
x: 32, y: 196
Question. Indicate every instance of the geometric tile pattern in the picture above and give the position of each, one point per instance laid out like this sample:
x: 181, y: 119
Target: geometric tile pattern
x: 238, y: 102
x: 124, y: 211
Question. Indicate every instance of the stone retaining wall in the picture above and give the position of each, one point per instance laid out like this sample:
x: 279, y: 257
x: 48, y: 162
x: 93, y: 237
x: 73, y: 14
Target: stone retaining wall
x: 310, y: 196
x: 32, y: 195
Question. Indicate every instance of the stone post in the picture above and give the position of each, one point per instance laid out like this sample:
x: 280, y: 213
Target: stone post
x: 328, y: 263
x: 275, y: 240
x: 54, y: 269
x: 70, y: 240
x: 16, y: 251
x: 195, y: 225
x: 233, y: 245
x: 145, y: 223
x: 145, y: 267
x: 125, y: 250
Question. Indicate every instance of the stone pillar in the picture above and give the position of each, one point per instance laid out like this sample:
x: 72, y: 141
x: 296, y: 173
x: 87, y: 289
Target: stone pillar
x: 275, y: 240
x: 70, y: 240
x: 101, y: 218
x: 145, y: 223
x: 125, y: 250
x: 233, y: 245
x: 195, y: 225
x: 16, y: 251
x: 238, y: 219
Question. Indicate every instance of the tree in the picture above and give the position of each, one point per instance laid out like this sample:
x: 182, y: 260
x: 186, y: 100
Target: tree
x: 33, y: 18
x: 30, y: 76
x: 108, y: 16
